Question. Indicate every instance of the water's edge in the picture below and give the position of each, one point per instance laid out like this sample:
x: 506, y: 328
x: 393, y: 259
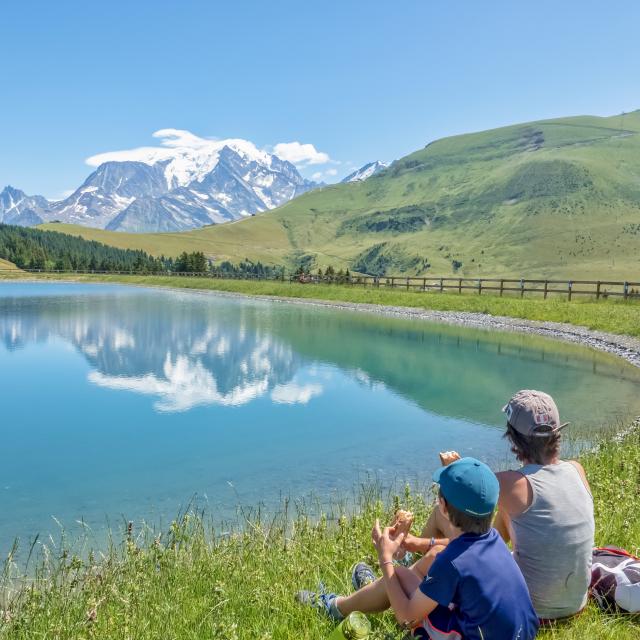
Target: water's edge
x: 623, y: 346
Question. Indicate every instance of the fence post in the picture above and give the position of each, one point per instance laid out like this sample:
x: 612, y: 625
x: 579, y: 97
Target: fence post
x: 441, y: 285
x: 626, y: 290
x: 479, y: 286
x: 522, y: 287
x: 407, y: 284
x: 424, y: 284
x: 392, y: 282
x: 570, y: 285
x: 459, y: 285
x: 546, y: 288
x: 598, y: 291
x: 501, y: 286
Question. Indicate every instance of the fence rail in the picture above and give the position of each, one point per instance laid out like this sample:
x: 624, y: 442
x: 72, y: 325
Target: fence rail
x: 595, y: 288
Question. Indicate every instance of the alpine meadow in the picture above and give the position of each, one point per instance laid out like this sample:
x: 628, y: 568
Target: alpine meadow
x: 554, y: 198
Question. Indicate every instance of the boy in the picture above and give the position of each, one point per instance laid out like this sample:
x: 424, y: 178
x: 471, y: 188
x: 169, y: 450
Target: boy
x: 474, y: 589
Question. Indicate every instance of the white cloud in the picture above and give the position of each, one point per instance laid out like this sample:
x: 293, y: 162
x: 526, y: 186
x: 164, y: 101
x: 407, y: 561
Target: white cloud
x: 185, y: 385
x: 191, y: 157
x: 324, y: 175
x: 298, y: 153
x: 293, y: 393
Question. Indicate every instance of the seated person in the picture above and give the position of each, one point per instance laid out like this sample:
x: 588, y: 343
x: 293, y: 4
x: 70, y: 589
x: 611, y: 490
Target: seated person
x: 473, y: 589
x: 545, y: 509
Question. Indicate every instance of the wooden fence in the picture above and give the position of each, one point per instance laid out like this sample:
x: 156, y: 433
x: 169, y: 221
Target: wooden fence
x: 498, y: 286
x: 569, y: 288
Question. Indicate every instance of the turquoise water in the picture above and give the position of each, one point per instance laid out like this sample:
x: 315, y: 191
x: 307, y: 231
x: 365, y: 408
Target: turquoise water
x: 123, y: 403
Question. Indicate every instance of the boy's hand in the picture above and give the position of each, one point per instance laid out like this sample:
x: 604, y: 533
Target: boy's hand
x: 447, y: 457
x: 385, y: 543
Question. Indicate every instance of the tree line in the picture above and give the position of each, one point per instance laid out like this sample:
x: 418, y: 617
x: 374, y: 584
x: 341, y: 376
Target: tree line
x: 303, y: 273
x: 29, y: 248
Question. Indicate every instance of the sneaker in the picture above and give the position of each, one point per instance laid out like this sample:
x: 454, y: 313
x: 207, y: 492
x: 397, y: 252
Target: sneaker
x: 362, y: 575
x: 326, y: 602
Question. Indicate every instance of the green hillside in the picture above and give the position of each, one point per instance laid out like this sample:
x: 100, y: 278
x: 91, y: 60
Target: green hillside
x: 550, y: 198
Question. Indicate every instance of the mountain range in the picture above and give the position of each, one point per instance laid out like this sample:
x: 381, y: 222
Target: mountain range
x: 226, y: 181
x: 548, y: 198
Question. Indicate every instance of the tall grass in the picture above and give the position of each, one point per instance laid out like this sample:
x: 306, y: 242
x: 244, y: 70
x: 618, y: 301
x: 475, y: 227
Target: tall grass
x: 197, y: 582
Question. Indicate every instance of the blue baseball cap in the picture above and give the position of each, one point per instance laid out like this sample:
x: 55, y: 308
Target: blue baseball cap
x: 469, y: 485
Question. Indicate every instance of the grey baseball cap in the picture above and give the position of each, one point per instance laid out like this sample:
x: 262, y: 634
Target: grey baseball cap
x: 533, y: 413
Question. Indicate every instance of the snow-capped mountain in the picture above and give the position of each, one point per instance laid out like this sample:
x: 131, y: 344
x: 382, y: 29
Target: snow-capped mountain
x: 16, y: 207
x: 367, y: 171
x: 171, y: 189
x: 240, y: 184
x: 112, y: 187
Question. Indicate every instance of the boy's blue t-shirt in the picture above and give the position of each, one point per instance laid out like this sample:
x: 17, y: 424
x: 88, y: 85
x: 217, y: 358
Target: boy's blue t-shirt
x: 477, y: 575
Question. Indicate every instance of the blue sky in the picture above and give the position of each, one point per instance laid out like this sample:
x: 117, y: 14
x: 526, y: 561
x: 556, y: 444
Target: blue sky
x: 357, y: 80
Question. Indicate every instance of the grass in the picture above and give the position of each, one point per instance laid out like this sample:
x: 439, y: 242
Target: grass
x: 189, y: 583
x: 614, y: 316
x: 5, y: 264
x: 553, y: 198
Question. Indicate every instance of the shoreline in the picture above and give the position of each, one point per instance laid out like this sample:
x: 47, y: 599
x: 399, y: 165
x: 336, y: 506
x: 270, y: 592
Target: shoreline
x: 620, y: 345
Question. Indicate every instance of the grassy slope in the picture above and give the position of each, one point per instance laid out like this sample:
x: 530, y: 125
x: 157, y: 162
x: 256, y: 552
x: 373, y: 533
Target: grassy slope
x: 615, y: 316
x: 5, y: 264
x: 183, y: 587
x: 550, y: 198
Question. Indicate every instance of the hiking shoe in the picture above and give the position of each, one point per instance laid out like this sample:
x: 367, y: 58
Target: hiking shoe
x: 326, y: 602
x: 362, y: 575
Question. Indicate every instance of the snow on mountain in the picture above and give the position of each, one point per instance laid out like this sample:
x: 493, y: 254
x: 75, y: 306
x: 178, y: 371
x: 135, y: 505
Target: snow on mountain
x: 187, y: 183
x: 239, y: 185
x: 16, y: 207
x: 367, y: 171
x: 187, y: 157
x: 112, y: 187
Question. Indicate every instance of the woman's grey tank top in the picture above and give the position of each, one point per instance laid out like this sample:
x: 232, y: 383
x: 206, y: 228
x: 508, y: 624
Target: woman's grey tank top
x: 553, y: 539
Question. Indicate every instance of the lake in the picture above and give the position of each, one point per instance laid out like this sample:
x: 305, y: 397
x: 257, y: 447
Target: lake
x: 122, y: 403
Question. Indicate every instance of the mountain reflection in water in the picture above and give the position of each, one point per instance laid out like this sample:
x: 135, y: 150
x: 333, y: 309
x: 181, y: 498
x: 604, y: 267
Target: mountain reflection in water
x: 123, y: 403
x: 189, y: 350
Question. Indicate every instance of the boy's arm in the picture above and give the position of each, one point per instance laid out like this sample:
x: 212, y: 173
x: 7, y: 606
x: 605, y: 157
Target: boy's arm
x: 407, y: 608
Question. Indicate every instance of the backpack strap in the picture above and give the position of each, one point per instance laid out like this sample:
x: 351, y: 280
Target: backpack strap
x: 616, y: 551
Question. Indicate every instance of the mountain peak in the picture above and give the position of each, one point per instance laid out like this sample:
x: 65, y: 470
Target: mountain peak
x: 15, y: 202
x: 366, y: 171
x: 187, y: 183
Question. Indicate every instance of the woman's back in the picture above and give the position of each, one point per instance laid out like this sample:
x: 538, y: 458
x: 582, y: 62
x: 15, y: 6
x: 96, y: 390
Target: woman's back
x: 553, y: 539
